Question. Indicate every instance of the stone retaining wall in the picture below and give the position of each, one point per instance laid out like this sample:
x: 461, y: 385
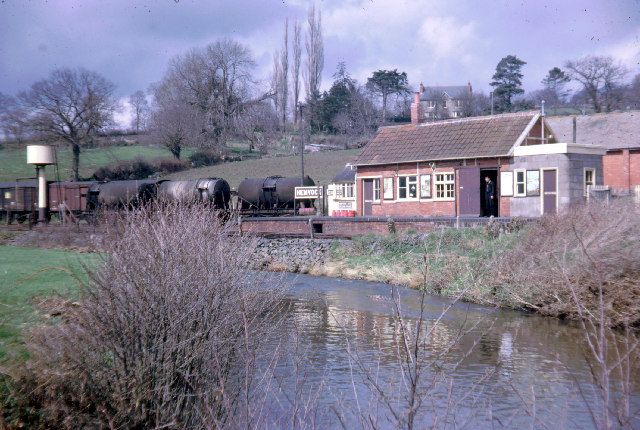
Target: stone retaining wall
x: 291, y: 255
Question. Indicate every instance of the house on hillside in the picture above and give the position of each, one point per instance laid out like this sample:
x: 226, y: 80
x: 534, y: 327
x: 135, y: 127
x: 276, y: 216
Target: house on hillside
x: 618, y: 133
x: 439, y: 168
x: 441, y: 102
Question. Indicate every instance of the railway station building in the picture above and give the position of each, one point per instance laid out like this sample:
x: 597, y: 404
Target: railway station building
x: 440, y: 168
x: 619, y: 134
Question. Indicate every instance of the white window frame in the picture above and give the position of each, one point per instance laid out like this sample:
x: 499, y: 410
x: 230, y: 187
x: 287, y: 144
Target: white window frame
x: 445, y: 103
x: 430, y: 186
x: 346, y: 190
x: 431, y: 103
x: 446, y: 178
x: 584, y: 178
x: 523, y: 182
x: 408, y: 184
x: 376, y: 190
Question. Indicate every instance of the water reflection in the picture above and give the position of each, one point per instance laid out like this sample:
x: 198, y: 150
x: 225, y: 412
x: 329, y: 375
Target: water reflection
x: 486, y: 367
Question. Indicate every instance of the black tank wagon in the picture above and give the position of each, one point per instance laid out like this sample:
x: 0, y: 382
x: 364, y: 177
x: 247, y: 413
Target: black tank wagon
x: 269, y: 196
x: 121, y: 194
x: 213, y: 190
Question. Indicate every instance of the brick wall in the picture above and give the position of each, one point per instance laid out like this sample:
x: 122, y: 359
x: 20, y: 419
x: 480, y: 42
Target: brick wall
x: 619, y: 170
x: 419, y: 207
x: 353, y: 226
x: 634, y: 167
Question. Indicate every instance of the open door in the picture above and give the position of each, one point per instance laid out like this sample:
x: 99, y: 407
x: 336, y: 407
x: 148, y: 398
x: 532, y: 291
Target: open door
x: 469, y: 191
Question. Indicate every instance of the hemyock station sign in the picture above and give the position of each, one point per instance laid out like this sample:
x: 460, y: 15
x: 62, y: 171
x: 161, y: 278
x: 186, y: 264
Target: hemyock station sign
x: 308, y: 192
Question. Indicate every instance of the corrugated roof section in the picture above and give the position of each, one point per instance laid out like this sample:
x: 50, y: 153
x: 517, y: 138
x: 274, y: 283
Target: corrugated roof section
x: 618, y: 130
x: 488, y: 136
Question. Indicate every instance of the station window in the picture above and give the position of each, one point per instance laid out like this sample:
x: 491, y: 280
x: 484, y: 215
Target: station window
x: 589, y: 178
x: 520, y: 189
x: 407, y: 187
x: 376, y: 190
x: 445, y: 186
x: 345, y: 191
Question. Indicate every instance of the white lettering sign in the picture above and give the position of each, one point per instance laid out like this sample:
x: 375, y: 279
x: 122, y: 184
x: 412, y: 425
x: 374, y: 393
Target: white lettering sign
x: 308, y: 192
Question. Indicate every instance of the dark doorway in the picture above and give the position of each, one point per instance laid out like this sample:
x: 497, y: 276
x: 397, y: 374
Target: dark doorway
x: 492, y: 174
x: 367, y: 197
x: 468, y: 191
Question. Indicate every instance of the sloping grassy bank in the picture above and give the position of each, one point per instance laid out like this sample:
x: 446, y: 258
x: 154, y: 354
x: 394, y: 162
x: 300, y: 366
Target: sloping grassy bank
x: 568, y: 265
x: 448, y: 262
x: 28, y: 277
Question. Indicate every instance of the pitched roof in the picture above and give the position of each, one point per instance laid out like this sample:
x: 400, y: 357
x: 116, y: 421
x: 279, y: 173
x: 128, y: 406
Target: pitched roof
x: 477, y: 137
x: 453, y: 91
x: 348, y: 174
x: 617, y: 130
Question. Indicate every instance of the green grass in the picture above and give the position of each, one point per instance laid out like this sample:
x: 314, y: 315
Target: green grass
x: 446, y: 255
x: 13, y: 160
x: 27, y: 273
x: 321, y: 166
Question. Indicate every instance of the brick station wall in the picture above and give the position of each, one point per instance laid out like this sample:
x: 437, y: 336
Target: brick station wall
x: 357, y: 226
x: 622, y: 170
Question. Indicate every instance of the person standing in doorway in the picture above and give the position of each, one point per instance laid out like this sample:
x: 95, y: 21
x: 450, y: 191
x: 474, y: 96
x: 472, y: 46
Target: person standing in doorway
x: 489, y: 194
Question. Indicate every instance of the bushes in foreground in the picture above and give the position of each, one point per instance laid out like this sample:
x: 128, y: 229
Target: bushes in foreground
x: 576, y: 262
x: 167, y: 333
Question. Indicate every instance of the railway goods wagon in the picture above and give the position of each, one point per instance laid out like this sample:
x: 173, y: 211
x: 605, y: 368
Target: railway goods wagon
x: 271, y: 194
x: 18, y: 199
x: 121, y: 194
x: 72, y: 196
x: 213, y: 190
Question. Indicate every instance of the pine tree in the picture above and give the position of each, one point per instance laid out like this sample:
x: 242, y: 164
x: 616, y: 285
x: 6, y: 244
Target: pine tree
x: 554, y: 84
x: 507, y: 82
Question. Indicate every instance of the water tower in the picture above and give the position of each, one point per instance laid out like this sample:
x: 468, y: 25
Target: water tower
x: 41, y: 156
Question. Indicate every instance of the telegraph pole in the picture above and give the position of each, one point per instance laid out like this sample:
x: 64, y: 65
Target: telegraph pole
x: 301, y: 106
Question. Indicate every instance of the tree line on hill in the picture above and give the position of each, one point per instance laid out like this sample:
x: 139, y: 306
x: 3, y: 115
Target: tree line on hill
x: 210, y: 95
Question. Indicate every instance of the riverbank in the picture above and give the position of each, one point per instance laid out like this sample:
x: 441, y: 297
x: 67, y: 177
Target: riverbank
x: 561, y: 266
x: 442, y: 262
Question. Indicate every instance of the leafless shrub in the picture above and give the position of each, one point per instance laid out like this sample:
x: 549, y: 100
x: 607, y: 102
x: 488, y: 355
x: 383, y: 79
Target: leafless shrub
x: 168, y: 334
x: 587, y: 247
x: 586, y: 265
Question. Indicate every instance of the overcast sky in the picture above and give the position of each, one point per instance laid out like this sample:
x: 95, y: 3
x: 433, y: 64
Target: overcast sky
x: 444, y: 42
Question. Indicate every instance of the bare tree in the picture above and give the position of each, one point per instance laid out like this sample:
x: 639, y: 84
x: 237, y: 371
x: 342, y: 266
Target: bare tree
x: 632, y: 93
x: 601, y: 77
x: 276, y: 82
x: 216, y: 84
x: 70, y: 105
x: 315, y: 53
x: 475, y: 104
x: 284, y: 74
x: 12, y: 118
x: 297, y: 56
x: 140, y: 107
x: 258, y: 124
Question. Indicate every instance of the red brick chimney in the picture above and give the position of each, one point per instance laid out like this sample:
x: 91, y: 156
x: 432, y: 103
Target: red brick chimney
x: 417, y: 111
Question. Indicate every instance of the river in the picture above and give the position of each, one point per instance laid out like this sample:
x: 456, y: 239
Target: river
x: 480, y: 368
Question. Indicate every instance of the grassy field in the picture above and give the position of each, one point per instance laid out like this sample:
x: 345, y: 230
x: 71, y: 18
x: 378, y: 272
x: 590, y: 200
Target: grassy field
x: 27, y: 274
x: 13, y: 160
x: 321, y: 166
